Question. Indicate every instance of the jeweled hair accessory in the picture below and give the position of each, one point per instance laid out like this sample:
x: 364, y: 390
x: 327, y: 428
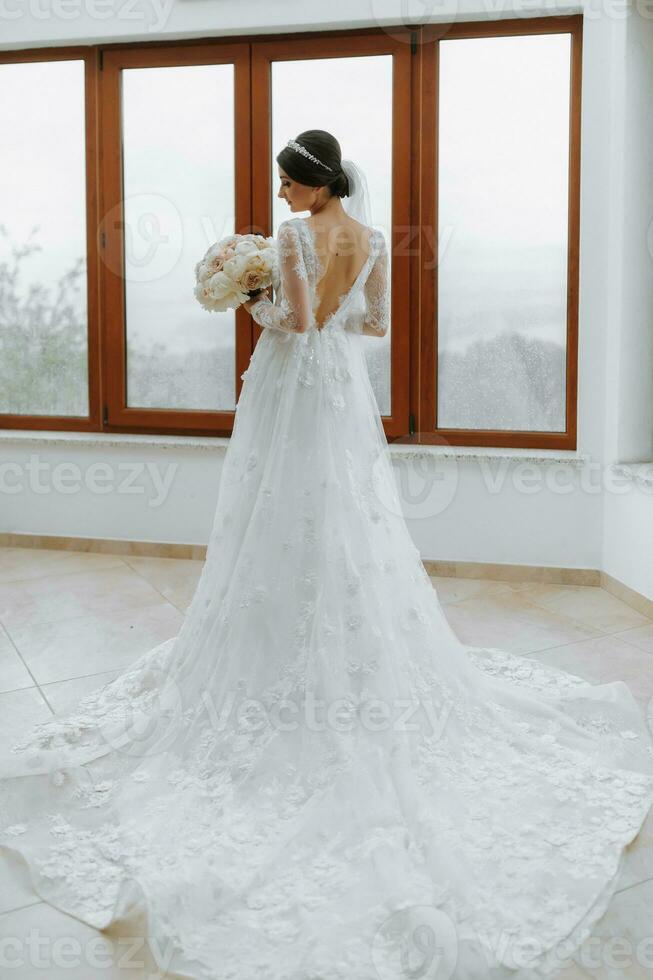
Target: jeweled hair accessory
x: 304, y: 152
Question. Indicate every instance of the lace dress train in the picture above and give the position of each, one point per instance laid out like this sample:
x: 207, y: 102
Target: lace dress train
x: 315, y: 779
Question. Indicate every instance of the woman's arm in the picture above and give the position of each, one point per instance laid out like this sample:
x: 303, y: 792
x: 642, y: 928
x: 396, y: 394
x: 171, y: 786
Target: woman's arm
x: 376, y: 319
x: 293, y: 314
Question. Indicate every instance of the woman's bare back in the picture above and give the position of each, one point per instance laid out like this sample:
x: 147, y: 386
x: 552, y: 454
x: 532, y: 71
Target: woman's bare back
x: 342, y: 250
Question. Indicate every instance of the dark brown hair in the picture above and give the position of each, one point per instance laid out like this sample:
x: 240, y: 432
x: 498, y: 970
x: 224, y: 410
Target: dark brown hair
x: 326, y: 148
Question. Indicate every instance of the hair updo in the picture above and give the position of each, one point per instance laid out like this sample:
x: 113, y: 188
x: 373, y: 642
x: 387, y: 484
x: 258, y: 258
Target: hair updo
x: 326, y: 148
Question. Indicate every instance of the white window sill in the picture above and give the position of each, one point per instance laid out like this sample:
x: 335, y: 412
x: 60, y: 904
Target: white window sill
x: 45, y: 437
x: 475, y: 453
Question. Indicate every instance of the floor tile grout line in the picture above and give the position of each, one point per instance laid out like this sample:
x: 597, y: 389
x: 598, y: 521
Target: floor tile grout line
x: 587, y: 639
x: 77, y: 571
x: 20, y: 908
x: 145, y: 579
x: 521, y: 585
x: 38, y: 685
x: 634, y: 645
x: 69, y: 619
x: 57, y: 572
x: 635, y: 884
x: 79, y: 677
x: 65, y: 680
x: 17, y: 690
x: 536, y: 605
x: 6, y: 632
x: 598, y: 636
x: 46, y: 700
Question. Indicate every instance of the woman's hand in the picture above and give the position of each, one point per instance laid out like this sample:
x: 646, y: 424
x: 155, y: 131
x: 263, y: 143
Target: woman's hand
x: 262, y: 293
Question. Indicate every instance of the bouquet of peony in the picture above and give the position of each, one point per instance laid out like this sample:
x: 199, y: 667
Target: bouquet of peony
x: 234, y: 270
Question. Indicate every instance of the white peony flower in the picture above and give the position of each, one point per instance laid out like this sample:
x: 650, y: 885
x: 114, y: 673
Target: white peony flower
x: 232, y: 267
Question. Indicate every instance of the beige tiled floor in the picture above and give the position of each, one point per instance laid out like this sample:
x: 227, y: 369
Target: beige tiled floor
x: 69, y: 622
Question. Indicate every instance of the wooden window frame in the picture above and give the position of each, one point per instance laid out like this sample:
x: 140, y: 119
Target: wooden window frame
x: 426, y: 350
x: 91, y: 422
x: 414, y: 211
x: 118, y: 416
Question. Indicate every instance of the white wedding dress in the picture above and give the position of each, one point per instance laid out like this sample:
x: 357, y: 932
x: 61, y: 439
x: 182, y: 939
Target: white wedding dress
x: 316, y: 780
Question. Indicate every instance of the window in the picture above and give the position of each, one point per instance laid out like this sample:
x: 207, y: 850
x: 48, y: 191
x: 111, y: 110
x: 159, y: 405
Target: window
x: 177, y: 170
x: 176, y: 179
x: 471, y: 147
x: 500, y: 188
x: 43, y: 260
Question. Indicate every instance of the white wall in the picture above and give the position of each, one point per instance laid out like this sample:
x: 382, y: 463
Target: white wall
x: 89, y: 21
x: 490, y: 508
x: 135, y: 491
x: 586, y: 527
x: 628, y: 409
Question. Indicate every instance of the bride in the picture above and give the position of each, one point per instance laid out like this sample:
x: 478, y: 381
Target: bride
x: 315, y: 779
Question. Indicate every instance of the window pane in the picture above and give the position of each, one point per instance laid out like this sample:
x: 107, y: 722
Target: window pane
x: 178, y: 167
x: 43, y: 296
x: 502, y: 275
x: 333, y: 94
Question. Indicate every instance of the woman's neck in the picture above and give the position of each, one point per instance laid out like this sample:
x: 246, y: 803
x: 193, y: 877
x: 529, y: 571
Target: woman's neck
x: 332, y: 210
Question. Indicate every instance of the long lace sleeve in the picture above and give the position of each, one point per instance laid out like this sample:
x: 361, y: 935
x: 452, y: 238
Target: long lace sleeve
x: 293, y: 311
x: 376, y: 319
